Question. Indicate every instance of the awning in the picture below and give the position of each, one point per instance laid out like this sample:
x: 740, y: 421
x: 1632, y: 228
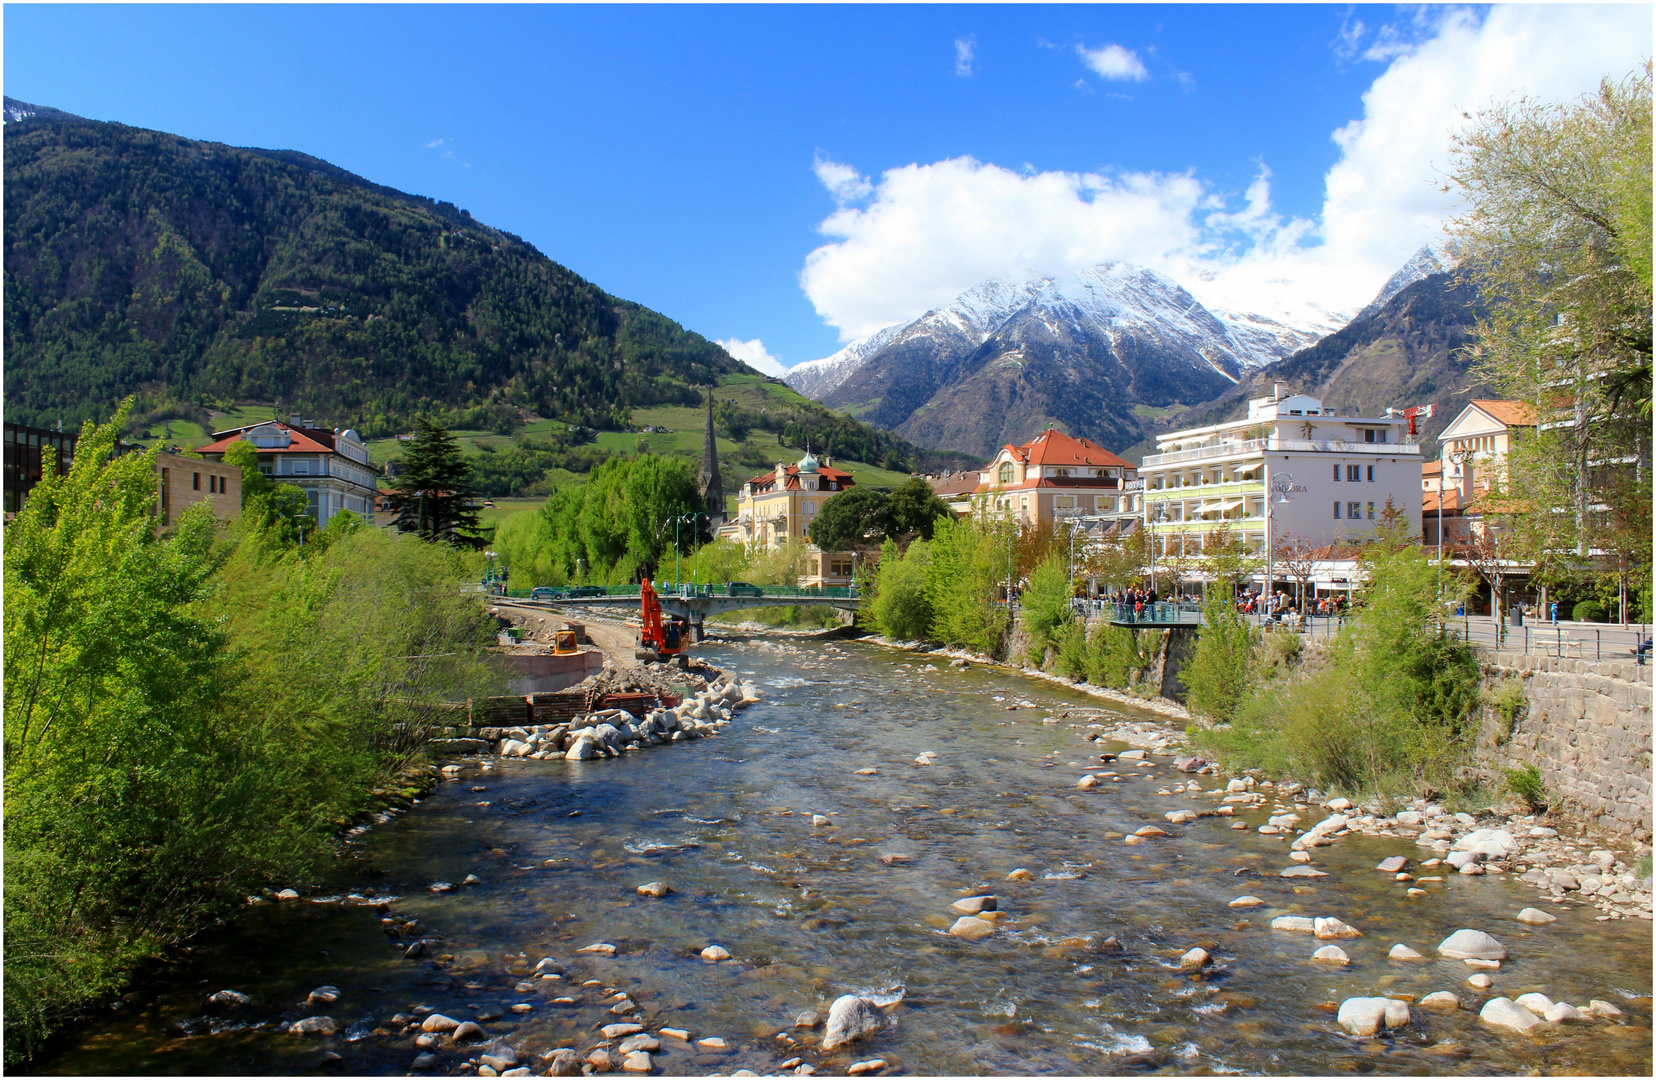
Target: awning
x: 1210, y: 505
x: 1231, y: 504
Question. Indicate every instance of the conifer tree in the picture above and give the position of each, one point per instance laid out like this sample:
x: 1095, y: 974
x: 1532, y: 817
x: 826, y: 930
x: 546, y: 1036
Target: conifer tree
x: 433, y: 494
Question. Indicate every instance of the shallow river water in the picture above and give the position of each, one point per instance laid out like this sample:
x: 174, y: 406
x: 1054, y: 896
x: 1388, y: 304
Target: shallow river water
x: 809, y: 913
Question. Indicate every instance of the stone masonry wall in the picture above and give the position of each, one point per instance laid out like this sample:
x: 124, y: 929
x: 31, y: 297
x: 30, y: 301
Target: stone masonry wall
x: 1586, y: 727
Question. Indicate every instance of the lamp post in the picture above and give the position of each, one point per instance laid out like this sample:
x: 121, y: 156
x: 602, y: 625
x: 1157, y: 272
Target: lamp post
x: 1281, y: 487
x: 1160, y: 517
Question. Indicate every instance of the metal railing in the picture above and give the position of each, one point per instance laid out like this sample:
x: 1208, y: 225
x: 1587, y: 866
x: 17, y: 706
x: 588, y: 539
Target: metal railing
x: 1255, y: 446
x: 689, y: 591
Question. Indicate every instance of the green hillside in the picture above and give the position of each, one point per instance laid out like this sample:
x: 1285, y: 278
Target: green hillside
x: 223, y: 285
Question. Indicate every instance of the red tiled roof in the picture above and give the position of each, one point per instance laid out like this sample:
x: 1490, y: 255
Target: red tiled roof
x: 1053, y: 447
x: 841, y: 479
x: 1510, y: 413
x: 963, y: 483
x: 1451, y: 501
x: 305, y: 440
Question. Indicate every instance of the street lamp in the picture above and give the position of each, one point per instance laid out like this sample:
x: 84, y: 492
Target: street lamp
x: 1281, y: 487
x: 1159, y: 518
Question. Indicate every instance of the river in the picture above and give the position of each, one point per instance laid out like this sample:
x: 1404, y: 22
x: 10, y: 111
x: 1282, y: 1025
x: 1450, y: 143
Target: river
x: 812, y: 912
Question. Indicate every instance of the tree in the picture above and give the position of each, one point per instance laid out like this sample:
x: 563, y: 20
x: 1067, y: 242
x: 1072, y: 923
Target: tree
x: 901, y: 608
x: 1046, y: 605
x: 432, y: 495
x: 1298, y: 559
x: 1220, y: 672
x: 617, y: 526
x: 914, y: 508
x: 1486, y: 552
x: 279, y: 513
x: 854, y: 520
x: 1228, y: 559
x: 1557, y: 235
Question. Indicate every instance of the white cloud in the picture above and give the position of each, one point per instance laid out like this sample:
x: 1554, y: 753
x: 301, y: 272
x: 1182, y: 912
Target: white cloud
x: 1114, y: 62
x: 965, y: 50
x: 754, y: 355
x: 842, y: 181
x: 928, y: 232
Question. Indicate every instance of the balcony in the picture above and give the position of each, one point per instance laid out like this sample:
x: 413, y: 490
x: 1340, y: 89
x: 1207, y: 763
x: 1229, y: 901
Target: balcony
x: 1293, y: 446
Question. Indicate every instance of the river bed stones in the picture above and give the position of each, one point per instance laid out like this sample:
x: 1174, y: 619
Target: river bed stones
x: 1333, y: 928
x: 850, y: 1018
x: 1401, y: 951
x: 1439, y: 999
x: 314, y: 1025
x: 1331, y: 954
x: 1197, y: 959
x: 1560, y: 1012
x: 972, y: 928
x: 1536, y: 917
x: 229, y: 997
x: 1371, y: 1015
x: 975, y: 905
x: 437, y: 1022
x: 1508, y: 1015
x: 1471, y: 945
x: 654, y: 889
x: 1480, y: 981
x: 715, y: 953
x: 1246, y: 902
x: 1535, y: 1003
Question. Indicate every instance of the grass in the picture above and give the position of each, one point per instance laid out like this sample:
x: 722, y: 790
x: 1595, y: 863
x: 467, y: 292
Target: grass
x: 1153, y: 413
x: 504, y: 508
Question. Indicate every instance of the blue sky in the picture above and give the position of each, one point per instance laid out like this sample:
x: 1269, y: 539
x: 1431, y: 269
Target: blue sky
x: 690, y: 158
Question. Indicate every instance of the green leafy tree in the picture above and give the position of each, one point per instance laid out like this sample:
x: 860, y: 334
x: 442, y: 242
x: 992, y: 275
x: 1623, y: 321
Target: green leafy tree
x: 914, y: 509
x: 967, y: 569
x: 617, y: 526
x: 432, y: 495
x: 1046, y: 606
x: 901, y: 607
x: 1557, y: 234
x: 854, y: 520
x: 281, y: 512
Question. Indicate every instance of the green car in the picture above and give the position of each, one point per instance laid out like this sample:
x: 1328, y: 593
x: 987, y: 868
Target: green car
x: 585, y: 590
x: 547, y: 592
x: 742, y: 588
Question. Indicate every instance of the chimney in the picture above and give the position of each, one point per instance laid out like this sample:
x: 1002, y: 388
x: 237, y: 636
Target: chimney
x: 295, y: 420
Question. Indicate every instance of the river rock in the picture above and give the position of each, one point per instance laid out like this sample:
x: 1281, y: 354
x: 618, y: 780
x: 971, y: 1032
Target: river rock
x: 468, y: 1029
x: 637, y: 1062
x: 582, y: 749
x: 849, y: 1018
x: 713, y: 1042
x: 972, y: 928
x: 499, y: 1057
x: 647, y: 1043
x: 1195, y: 960
x: 1602, y: 1008
x: 514, y: 748
x: 602, y: 948
x: 547, y: 966
x: 1020, y: 874
x: 1338, y: 804
x: 868, y: 772
x: 715, y: 953
x: 1561, y: 1012
x: 1480, y: 981
x: 322, y: 995
x: 654, y: 888
x: 1601, y: 858
x: 1441, y: 999
x: 1508, y: 1014
x: 1149, y: 830
x: 1301, y: 871
x: 1246, y: 902
x: 438, y: 1022
x: 819, y: 821
x: 1535, y: 1003
x: 1087, y: 782
x: 809, y: 1020
x: 1331, y: 954
x: 1471, y: 945
x: 314, y: 1025
x: 1180, y: 817
x: 1536, y: 917
x: 287, y: 894
x: 1333, y: 928
x: 562, y: 1062
x: 1460, y: 860
x: 229, y: 997
x: 600, y: 1060
x: 894, y: 858
x: 1299, y: 924
x: 1393, y: 864
x: 975, y: 905
x: 1131, y: 755
x: 1410, y: 817
x: 1370, y: 1015
x: 621, y: 1031
x: 1489, y: 843
x: 1401, y: 951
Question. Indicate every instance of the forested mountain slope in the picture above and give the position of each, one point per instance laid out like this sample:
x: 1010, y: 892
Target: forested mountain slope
x: 201, y: 273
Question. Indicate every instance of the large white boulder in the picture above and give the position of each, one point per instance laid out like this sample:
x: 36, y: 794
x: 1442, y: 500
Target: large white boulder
x: 1471, y: 945
x: 1508, y: 1014
x: 1490, y: 843
x: 849, y: 1018
x: 1371, y: 1015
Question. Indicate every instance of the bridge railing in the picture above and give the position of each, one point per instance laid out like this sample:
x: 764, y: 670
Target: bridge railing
x: 709, y: 592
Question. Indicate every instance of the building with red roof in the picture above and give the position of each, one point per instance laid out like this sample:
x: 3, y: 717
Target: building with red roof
x: 332, y: 468
x: 779, y: 507
x: 1055, y: 476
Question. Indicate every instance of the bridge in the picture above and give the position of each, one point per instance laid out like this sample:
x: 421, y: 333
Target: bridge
x: 693, y: 603
x: 1162, y: 615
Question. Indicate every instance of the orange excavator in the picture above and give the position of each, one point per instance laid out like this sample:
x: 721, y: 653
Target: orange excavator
x: 658, y: 638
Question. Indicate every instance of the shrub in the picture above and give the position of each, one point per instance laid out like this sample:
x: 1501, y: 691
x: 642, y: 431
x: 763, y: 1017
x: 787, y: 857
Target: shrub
x: 901, y: 608
x: 1507, y: 700
x: 1046, y: 606
x: 1220, y: 671
x: 1071, y: 655
x: 1113, y: 655
x: 1588, y: 611
x: 1525, y: 782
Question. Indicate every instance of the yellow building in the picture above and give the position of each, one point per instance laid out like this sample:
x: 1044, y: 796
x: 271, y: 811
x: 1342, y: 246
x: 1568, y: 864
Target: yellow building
x: 780, y: 506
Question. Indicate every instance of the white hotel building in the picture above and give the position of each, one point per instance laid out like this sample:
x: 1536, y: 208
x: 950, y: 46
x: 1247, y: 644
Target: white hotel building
x: 1336, y: 472
x: 331, y: 467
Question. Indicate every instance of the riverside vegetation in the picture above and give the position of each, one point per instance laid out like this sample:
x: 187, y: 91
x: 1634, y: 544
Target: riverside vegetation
x: 196, y: 712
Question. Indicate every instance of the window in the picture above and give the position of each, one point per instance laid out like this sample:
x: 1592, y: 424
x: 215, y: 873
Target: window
x: 1354, y: 510
x: 1060, y: 472
x: 301, y: 468
x: 1354, y: 473
x: 1336, y: 476
x: 195, y: 481
x: 1371, y: 474
x: 1006, y: 472
x: 1063, y: 502
x: 1371, y: 511
x: 1336, y: 507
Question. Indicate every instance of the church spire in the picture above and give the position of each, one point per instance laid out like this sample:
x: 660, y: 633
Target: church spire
x: 708, y: 480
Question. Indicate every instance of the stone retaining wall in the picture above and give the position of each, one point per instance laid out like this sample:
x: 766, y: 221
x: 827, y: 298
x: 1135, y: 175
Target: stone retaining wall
x: 1586, y: 727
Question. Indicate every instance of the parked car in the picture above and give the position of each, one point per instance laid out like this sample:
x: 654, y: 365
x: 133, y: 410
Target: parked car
x: 585, y: 590
x: 742, y: 588
x: 547, y: 592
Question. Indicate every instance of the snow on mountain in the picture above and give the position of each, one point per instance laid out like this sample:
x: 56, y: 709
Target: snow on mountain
x: 1110, y: 294
x: 1428, y: 260
x: 815, y: 378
